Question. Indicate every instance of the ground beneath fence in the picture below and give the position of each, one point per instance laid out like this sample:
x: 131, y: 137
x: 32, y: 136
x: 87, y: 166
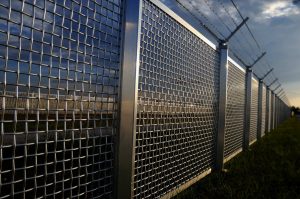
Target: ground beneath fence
x: 271, y: 169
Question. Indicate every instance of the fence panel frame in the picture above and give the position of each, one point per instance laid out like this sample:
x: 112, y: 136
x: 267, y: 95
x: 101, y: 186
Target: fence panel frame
x: 249, y: 76
x: 128, y: 100
x: 222, y: 106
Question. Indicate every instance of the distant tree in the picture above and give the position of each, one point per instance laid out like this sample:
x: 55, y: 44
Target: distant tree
x: 296, y: 110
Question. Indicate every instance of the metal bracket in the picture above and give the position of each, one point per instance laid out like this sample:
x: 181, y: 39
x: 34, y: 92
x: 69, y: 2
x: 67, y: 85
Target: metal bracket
x: 257, y: 60
x: 276, y: 88
x: 275, y: 80
x: 250, y: 66
x: 236, y: 29
x: 240, y: 60
x: 280, y: 91
x: 281, y: 95
x: 267, y: 73
x: 256, y: 76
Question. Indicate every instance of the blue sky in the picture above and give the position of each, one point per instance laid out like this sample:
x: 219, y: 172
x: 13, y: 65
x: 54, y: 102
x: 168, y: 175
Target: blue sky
x: 274, y: 23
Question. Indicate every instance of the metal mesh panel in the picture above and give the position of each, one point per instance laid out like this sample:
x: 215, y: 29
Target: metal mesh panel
x: 59, y: 70
x: 177, y: 105
x: 264, y: 107
x: 234, y: 126
x: 254, y: 111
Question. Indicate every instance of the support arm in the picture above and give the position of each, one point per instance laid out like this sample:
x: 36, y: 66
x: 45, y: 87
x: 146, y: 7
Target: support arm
x: 275, y: 80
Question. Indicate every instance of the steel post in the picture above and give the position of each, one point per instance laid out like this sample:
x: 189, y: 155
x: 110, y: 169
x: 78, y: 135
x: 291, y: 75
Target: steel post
x: 260, y: 100
x: 222, y: 105
x: 249, y: 75
x: 272, y: 110
x: 128, y: 104
x: 268, y: 105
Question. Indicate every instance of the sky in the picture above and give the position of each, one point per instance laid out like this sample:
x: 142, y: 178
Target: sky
x: 275, y: 25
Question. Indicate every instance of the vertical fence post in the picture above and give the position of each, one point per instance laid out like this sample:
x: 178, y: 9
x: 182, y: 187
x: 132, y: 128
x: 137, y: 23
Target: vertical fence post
x: 274, y: 122
x: 249, y: 74
x: 128, y: 102
x: 260, y: 100
x: 267, y: 129
x: 222, y: 105
x: 277, y: 111
x: 272, y: 111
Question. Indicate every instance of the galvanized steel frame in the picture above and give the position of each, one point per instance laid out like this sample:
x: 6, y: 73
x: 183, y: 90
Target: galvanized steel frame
x: 260, y: 100
x: 249, y: 76
x: 273, y: 110
x: 128, y: 103
x: 267, y: 109
x: 222, y: 105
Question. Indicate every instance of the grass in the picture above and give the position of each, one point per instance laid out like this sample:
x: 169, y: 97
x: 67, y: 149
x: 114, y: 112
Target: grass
x: 271, y: 169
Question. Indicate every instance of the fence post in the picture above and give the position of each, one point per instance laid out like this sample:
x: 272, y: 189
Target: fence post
x: 267, y: 129
x: 272, y: 111
x: 277, y: 111
x: 222, y: 105
x: 128, y: 99
x: 249, y: 74
x: 260, y: 100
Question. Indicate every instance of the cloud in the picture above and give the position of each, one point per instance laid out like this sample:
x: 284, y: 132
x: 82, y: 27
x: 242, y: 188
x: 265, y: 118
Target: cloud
x: 278, y: 8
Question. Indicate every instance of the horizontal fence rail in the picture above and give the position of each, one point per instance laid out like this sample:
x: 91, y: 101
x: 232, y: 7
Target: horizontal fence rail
x: 119, y: 99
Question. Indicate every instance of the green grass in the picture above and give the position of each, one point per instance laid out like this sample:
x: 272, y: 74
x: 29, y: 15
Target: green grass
x: 271, y: 169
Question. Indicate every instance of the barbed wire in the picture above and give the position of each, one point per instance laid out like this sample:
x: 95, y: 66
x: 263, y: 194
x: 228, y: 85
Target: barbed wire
x: 246, y: 24
x: 202, y: 23
x: 242, y: 48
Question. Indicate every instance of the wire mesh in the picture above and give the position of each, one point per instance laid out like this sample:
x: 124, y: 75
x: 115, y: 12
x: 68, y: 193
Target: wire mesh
x: 234, y: 127
x: 177, y: 105
x: 254, y: 111
x: 59, y: 71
